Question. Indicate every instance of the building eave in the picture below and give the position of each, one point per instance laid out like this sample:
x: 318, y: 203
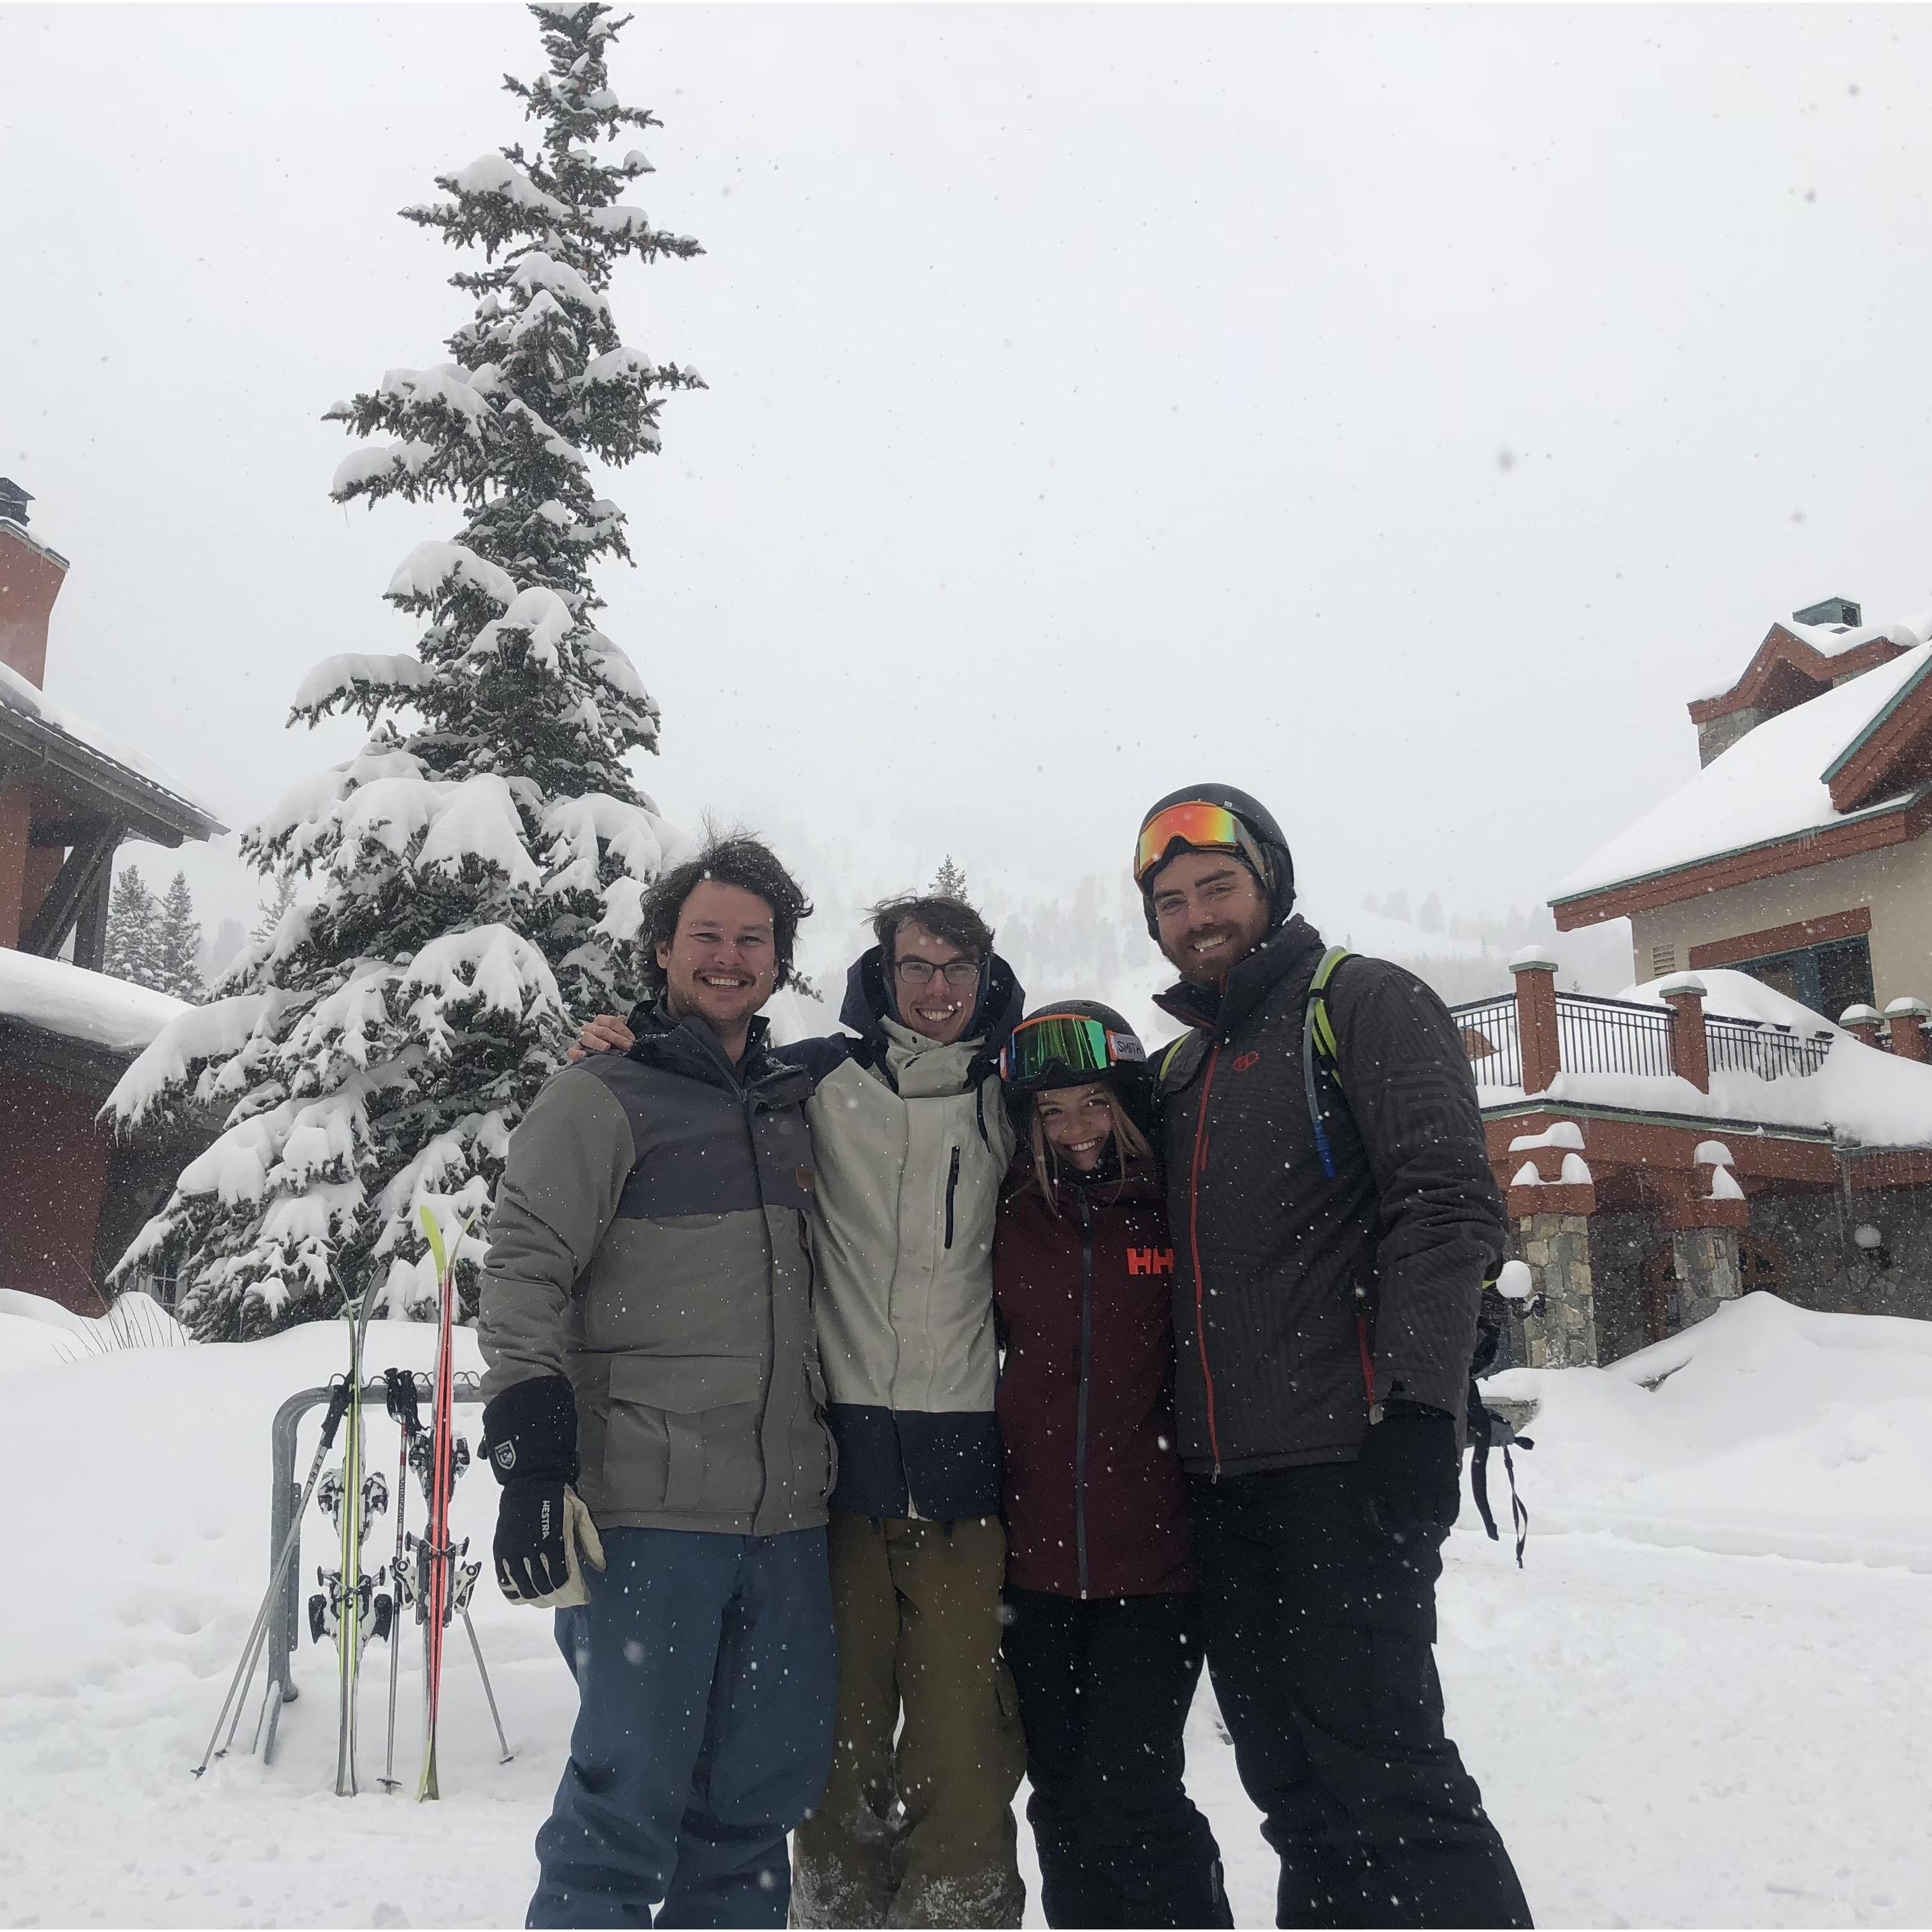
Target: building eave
x: 1846, y: 836
x: 30, y: 747
x: 1707, y: 1125
x: 1781, y: 646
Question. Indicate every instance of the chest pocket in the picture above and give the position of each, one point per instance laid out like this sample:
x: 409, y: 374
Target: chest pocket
x: 683, y: 1432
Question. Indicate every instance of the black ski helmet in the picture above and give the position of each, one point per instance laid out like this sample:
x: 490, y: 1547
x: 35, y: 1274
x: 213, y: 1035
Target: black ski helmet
x: 1277, y: 880
x: 1127, y: 1075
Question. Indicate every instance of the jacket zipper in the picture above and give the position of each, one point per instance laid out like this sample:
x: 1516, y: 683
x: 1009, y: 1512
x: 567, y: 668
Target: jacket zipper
x: 1086, y: 1368
x: 1194, y: 1244
x: 751, y: 1106
x: 952, y: 1189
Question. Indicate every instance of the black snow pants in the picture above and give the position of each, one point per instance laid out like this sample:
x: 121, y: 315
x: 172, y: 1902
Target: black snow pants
x: 1320, y: 1632
x: 1105, y: 1686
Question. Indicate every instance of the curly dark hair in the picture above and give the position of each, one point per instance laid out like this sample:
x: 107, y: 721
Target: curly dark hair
x: 738, y: 860
x: 943, y: 915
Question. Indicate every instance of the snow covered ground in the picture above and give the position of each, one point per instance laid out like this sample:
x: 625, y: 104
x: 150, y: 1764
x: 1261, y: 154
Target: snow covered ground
x: 1708, y: 1699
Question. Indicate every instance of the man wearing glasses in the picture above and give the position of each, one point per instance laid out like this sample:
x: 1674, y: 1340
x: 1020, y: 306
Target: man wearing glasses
x: 911, y: 1141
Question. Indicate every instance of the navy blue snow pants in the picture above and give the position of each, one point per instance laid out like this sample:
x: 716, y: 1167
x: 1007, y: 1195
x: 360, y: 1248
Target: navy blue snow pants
x: 707, y: 1673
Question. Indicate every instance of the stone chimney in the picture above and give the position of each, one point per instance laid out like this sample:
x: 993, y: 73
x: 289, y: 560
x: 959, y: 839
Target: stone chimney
x: 31, y: 576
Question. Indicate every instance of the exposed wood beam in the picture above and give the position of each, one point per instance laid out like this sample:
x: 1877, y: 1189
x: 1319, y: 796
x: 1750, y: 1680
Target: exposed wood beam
x: 65, y: 897
x: 64, y: 832
x: 90, y: 932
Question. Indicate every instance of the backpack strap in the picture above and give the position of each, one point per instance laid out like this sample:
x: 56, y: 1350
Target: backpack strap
x: 1318, y: 1043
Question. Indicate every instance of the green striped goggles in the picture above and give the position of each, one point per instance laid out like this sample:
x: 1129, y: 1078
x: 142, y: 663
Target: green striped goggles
x: 1054, y: 1047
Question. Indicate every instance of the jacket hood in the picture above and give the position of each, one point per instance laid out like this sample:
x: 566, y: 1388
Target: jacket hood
x: 1219, y: 1007
x: 867, y: 1007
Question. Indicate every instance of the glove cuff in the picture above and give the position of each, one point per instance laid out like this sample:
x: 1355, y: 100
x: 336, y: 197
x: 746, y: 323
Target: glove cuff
x: 529, y: 1431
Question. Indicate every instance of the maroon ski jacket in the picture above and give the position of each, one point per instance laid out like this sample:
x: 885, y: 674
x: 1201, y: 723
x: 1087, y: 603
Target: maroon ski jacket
x: 1094, y: 1502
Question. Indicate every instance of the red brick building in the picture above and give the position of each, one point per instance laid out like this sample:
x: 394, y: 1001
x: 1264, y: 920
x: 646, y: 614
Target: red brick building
x: 69, y: 796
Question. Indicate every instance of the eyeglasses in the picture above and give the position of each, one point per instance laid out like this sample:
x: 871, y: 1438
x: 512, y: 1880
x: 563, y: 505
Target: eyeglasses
x: 1065, y: 1044
x: 960, y: 974
x: 1195, y: 823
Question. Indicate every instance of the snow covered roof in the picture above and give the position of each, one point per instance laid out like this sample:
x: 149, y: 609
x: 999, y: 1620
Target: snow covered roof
x: 90, y: 753
x: 1827, y: 641
x: 53, y: 997
x: 1773, y: 785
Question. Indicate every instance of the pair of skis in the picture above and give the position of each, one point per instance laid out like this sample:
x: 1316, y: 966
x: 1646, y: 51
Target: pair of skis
x: 350, y: 1607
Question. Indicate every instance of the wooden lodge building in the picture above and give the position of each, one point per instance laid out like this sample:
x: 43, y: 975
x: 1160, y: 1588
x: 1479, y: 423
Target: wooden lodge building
x: 70, y: 1198
x: 1713, y: 1131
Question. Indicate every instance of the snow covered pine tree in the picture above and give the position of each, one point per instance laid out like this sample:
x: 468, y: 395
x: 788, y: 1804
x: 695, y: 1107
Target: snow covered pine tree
x: 179, y: 941
x: 472, y: 877
x: 134, y: 930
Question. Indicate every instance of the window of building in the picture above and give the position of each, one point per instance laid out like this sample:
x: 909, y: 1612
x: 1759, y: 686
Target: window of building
x: 1827, y: 978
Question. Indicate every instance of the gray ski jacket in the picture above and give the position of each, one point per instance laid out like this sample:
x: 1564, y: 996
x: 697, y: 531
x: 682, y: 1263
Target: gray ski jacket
x: 650, y: 1241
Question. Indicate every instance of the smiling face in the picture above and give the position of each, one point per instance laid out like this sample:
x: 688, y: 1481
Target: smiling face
x: 1211, y: 913
x: 936, y: 984
x: 1078, y: 1123
x: 722, y: 963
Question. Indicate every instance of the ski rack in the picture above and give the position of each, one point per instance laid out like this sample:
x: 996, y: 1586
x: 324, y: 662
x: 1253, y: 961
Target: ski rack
x: 285, y: 1625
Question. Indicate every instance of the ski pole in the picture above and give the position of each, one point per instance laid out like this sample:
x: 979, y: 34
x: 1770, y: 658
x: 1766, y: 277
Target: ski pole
x: 258, y: 1639
x: 402, y: 1401
x: 477, y: 1649
x: 251, y: 1651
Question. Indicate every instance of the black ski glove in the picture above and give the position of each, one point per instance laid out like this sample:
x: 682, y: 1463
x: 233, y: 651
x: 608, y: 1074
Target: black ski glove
x: 1412, y: 1471
x: 530, y: 1436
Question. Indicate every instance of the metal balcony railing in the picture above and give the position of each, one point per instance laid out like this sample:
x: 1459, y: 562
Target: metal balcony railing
x: 1595, y: 1035
x: 1770, y: 1052
x: 1491, y: 1039
x: 1599, y: 1035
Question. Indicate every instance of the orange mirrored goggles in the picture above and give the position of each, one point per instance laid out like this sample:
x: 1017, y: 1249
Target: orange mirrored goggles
x: 1204, y: 827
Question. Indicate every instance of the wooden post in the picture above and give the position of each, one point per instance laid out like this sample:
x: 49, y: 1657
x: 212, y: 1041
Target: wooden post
x: 1690, y: 1047
x: 1536, y: 1017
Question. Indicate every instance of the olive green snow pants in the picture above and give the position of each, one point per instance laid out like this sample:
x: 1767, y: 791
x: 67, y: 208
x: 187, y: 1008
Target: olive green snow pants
x: 916, y: 1825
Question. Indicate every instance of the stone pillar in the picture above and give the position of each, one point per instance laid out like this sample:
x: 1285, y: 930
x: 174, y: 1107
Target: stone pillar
x: 1536, y: 1017
x: 1557, y: 1247
x: 1862, y: 1023
x: 1689, y: 1045
x: 1908, y: 1018
x: 1707, y: 1271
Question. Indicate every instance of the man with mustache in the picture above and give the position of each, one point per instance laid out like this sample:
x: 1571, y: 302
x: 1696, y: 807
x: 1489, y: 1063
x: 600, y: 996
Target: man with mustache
x: 911, y: 1140
x: 1335, y: 1218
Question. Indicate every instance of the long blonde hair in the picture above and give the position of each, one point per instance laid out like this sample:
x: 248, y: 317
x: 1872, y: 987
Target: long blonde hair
x: 1128, y: 1141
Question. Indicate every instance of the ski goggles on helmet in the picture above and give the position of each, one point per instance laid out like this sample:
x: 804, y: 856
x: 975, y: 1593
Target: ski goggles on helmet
x: 1054, y: 1048
x: 1199, y: 825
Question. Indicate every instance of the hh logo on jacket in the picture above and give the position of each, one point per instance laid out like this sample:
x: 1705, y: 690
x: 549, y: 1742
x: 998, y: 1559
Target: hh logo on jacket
x: 1150, y: 1260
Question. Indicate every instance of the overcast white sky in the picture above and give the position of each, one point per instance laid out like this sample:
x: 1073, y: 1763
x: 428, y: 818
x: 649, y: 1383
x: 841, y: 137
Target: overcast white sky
x: 1397, y: 413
